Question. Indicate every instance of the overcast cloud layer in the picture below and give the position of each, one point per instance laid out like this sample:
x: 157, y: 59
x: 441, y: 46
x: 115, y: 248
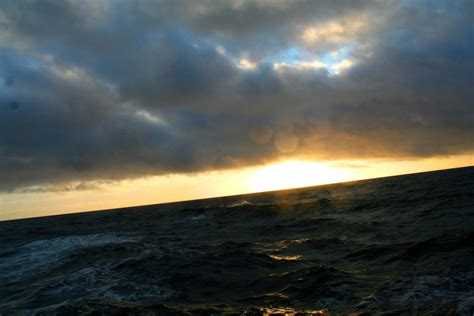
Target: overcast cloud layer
x: 92, y: 91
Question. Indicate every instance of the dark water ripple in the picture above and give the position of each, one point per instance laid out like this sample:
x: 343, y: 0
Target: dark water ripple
x: 399, y: 245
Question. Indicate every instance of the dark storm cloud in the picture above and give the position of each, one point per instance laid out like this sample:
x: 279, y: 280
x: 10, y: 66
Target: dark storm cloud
x: 96, y: 91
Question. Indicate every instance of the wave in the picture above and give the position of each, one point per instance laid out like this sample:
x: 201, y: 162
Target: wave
x: 399, y: 245
x: 43, y: 255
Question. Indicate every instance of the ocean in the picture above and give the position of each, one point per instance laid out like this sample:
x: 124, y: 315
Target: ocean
x: 399, y: 245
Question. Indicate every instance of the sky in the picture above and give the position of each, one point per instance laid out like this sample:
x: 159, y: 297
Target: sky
x: 114, y: 103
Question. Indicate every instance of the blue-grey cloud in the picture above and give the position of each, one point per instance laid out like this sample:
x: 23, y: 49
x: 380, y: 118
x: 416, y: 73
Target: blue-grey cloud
x: 95, y: 91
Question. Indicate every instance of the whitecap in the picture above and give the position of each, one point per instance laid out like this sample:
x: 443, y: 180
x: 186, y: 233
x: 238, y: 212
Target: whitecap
x: 43, y: 255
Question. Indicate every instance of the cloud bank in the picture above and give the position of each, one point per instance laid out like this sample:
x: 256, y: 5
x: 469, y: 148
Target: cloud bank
x: 109, y: 90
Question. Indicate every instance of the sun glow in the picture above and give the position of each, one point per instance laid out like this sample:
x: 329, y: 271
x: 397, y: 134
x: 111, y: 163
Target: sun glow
x: 293, y: 174
x: 170, y: 188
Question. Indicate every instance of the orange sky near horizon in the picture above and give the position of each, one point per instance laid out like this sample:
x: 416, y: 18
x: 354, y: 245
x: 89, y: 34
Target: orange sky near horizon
x: 161, y: 189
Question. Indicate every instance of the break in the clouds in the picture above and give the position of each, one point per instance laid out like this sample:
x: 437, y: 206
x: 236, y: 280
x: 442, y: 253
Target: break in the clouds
x: 93, y: 91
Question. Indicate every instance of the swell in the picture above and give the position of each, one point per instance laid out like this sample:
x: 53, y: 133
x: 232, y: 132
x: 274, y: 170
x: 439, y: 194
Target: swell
x: 401, y: 245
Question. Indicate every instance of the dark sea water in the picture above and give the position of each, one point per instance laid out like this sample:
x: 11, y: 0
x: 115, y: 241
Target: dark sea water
x: 398, y: 245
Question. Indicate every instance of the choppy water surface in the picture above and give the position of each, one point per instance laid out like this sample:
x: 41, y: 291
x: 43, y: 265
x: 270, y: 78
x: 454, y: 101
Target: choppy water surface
x: 399, y: 245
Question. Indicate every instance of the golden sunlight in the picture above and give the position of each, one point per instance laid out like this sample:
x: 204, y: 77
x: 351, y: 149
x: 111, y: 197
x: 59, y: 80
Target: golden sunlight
x: 293, y: 174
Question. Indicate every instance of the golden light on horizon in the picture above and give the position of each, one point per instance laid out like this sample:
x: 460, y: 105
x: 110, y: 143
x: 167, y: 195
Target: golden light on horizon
x: 160, y: 189
x: 294, y: 174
